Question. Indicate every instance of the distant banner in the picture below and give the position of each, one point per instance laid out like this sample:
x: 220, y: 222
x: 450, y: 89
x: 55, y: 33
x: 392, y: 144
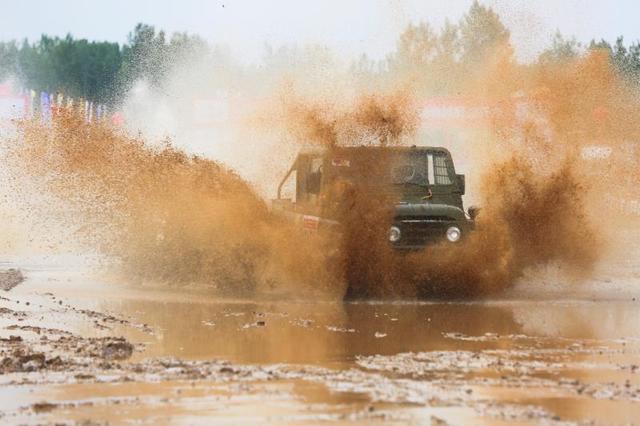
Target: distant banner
x: 45, y: 107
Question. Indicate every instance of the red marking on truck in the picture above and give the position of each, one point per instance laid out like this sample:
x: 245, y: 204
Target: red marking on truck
x: 310, y: 222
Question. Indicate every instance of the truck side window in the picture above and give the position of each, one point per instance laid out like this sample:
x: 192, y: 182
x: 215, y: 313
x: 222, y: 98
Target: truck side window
x: 440, y: 170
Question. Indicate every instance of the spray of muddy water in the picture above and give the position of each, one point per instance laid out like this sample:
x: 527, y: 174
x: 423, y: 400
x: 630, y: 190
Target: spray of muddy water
x: 162, y: 215
x: 542, y: 202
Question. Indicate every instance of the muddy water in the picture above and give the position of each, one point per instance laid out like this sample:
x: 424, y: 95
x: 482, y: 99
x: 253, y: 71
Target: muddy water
x: 552, y: 359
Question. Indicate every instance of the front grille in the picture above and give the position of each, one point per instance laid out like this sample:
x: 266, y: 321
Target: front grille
x: 422, y: 231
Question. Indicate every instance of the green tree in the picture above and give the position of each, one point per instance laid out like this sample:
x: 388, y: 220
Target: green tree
x: 482, y: 34
x: 77, y: 68
x: 626, y: 60
x: 413, y: 56
x: 8, y: 59
x: 415, y: 48
x: 143, y: 56
x: 446, y: 63
x: 561, y: 50
x: 149, y: 56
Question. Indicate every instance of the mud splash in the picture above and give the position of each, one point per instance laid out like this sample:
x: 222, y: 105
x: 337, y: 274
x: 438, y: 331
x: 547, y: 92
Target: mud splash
x: 367, y: 119
x: 160, y: 215
x: 530, y: 220
x: 543, y: 191
x: 165, y: 216
x: 532, y: 214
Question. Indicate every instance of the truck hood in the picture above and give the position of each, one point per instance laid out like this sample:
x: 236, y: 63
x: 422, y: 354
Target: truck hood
x: 426, y: 209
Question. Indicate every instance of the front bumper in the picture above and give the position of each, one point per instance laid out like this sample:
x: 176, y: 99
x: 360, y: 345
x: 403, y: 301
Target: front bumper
x: 416, y: 234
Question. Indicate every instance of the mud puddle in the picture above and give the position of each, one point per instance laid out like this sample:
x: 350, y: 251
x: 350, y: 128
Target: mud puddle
x: 75, y: 349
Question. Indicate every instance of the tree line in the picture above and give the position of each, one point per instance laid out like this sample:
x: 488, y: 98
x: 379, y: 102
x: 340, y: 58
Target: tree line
x: 96, y: 71
x: 436, y: 61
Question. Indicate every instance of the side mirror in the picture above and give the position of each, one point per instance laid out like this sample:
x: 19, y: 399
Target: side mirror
x: 473, y: 212
x: 461, y: 184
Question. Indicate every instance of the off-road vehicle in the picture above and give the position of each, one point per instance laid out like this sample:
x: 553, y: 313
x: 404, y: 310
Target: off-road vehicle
x: 420, y: 183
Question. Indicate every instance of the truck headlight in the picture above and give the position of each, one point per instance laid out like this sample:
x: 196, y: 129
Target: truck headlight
x: 453, y: 234
x: 394, y: 234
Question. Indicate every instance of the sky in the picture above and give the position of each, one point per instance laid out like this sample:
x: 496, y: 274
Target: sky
x: 348, y: 27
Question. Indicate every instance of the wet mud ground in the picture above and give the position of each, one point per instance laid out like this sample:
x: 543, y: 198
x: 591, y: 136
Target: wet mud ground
x: 76, y: 349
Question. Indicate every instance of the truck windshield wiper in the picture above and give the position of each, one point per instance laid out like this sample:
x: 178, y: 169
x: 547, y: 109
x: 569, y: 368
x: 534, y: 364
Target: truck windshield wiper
x: 421, y: 185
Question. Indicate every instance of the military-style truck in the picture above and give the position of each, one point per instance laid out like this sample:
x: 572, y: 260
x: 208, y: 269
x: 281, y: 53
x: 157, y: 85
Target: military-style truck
x: 420, y: 183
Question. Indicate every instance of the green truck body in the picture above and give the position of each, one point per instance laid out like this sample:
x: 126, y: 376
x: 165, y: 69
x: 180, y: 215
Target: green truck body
x: 419, y: 184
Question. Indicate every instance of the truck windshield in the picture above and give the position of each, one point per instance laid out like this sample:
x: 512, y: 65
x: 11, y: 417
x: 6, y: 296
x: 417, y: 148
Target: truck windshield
x: 410, y: 168
x: 417, y: 168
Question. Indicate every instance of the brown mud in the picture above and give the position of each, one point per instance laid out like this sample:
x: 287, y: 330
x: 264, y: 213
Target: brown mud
x: 75, y: 349
x: 10, y: 278
x: 203, y: 307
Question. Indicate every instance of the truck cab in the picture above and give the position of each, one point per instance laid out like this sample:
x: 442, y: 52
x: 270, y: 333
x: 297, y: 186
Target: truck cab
x: 419, y: 184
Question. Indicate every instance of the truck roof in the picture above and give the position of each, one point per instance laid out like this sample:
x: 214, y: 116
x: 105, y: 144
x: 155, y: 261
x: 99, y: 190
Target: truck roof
x: 322, y: 150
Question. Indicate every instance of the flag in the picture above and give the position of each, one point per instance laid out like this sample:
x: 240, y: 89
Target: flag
x: 32, y: 103
x: 45, y: 107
